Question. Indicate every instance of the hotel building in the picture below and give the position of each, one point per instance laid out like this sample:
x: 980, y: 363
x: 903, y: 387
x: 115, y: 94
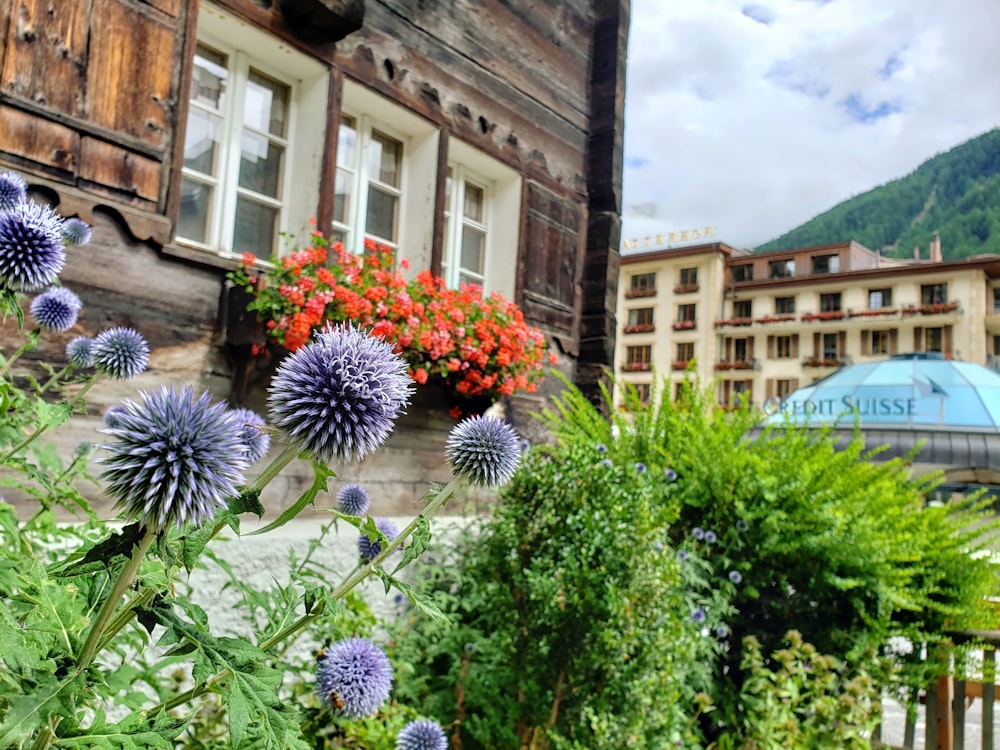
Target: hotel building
x: 766, y: 324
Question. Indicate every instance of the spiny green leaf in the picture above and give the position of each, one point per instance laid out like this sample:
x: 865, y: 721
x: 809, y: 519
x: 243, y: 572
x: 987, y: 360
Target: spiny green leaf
x: 417, y: 543
x: 101, y: 555
x: 321, y: 475
x: 422, y: 603
x: 27, y: 713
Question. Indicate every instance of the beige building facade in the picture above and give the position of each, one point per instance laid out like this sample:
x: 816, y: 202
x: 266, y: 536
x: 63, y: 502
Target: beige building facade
x: 762, y: 325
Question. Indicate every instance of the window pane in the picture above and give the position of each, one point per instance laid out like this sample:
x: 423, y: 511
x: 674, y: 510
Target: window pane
x: 208, y: 79
x: 381, y: 218
x: 343, y: 186
x: 192, y: 223
x: 256, y: 228
x: 266, y: 104
x: 473, y: 203
x: 260, y: 165
x: 473, y: 246
x: 384, y: 159
x: 347, y: 143
x: 201, y: 140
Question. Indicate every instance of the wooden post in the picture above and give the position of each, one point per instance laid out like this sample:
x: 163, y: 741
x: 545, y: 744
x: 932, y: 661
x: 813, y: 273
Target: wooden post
x: 945, y: 729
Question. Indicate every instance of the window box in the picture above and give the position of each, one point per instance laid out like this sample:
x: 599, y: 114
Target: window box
x: 734, y: 322
x: 831, y: 315
x: 938, y: 308
x: 818, y: 362
x: 874, y: 312
x: 684, y: 325
x: 736, y: 364
x: 679, y: 364
x: 636, y: 367
x: 786, y: 318
x: 685, y: 288
x: 636, y: 293
x: 640, y: 328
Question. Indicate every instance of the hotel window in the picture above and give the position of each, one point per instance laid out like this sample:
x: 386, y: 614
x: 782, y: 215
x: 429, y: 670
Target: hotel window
x: 689, y: 276
x: 742, y: 350
x: 933, y: 294
x: 686, y: 313
x: 829, y: 302
x: 934, y: 339
x: 639, y: 355
x: 482, y: 205
x: 685, y: 351
x: 252, y: 153
x: 879, y: 298
x: 826, y: 264
x: 880, y: 343
x: 642, y: 390
x: 996, y: 301
x: 642, y: 283
x: 831, y: 346
x: 743, y: 308
x: 640, y: 316
x: 385, y: 182
x: 782, y: 387
x: 783, y: 347
x: 781, y: 269
x: 741, y: 273
x: 784, y: 305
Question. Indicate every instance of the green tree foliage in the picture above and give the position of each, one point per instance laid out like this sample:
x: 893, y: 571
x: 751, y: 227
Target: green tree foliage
x: 956, y: 193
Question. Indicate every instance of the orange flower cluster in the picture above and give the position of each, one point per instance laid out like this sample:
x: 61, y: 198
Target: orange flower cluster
x: 473, y: 345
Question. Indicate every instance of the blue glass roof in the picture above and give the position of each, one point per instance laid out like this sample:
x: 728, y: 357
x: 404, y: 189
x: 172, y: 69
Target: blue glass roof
x: 918, y: 392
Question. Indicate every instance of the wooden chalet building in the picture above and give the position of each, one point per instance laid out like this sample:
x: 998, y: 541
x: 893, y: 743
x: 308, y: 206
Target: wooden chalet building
x: 187, y: 132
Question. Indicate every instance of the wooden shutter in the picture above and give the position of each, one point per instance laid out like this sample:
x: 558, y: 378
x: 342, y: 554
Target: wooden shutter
x: 770, y: 347
x: 866, y: 338
x: 795, y: 345
x: 817, y: 346
x: 750, y: 340
x: 769, y: 386
x: 841, y: 344
x: 947, y: 342
x: 893, y: 340
x: 793, y: 384
x: 918, y: 339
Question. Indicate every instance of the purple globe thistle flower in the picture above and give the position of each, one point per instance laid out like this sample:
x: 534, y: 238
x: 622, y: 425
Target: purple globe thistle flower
x: 606, y: 463
x: 524, y: 445
x: 640, y: 467
x: 742, y: 525
x: 76, y: 232
x: 368, y: 549
x: 339, y: 395
x: 354, y: 677
x: 56, y: 308
x: 484, y: 450
x: 120, y: 352
x: 698, y: 533
x: 602, y: 448
x: 353, y: 500
x: 248, y: 426
x: 670, y: 474
x: 682, y: 555
x: 710, y: 537
x: 13, y: 190
x: 113, y: 416
x: 31, y: 248
x: 722, y: 631
x: 174, y: 458
x: 698, y: 615
x: 79, y: 352
x: 735, y: 576
x: 422, y: 734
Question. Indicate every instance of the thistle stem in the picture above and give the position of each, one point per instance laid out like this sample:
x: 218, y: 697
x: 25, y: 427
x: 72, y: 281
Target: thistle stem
x: 28, y: 345
x: 288, y: 453
x: 90, y: 646
x: 38, y: 431
x: 360, y: 573
x: 54, y: 379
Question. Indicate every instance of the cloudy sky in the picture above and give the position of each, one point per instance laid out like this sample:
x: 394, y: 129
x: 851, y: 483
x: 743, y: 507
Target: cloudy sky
x: 753, y: 117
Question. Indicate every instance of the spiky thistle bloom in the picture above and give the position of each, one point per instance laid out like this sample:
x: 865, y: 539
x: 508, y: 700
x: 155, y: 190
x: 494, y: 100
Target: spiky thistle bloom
x: 698, y: 615
x: 422, y: 734
x: 174, y: 458
x: 31, y: 248
x: 484, y: 450
x: 13, y: 190
x: 80, y: 353
x: 368, y: 549
x: 339, y: 396
x: 248, y: 426
x: 353, y: 500
x: 354, y: 677
x: 735, y: 576
x: 56, y: 308
x: 76, y: 232
x: 113, y: 416
x: 120, y: 352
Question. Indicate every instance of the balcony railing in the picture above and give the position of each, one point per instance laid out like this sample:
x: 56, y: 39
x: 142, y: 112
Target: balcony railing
x: 737, y: 364
x: 779, y: 318
x: 733, y: 322
x: 873, y: 312
x: 825, y: 315
x: 636, y: 293
x: 936, y: 308
x: 640, y: 328
x: 823, y: 362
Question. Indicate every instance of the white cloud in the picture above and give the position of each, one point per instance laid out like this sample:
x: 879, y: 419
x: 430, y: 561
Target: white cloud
x: 753, y: 117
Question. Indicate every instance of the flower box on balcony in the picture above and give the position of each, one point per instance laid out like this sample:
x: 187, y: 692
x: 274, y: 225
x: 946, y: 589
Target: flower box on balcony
x: 684, y: 325
x: 938, y: 308
x: 734, y: 322
x: 816, y: 362
x: 636, y: 366
x: 640, y: 328
x: 734, y: 364
x: 829, y: 315
x: 874, y: 312
x: 679, y: 364
x: 685, y: 288
x: 635, y: 293
x: 784, y: 318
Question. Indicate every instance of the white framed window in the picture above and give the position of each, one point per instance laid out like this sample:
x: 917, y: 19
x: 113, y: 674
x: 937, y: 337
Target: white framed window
x: 482, y: 221
x: 385, y: 180
x: 251, y: 125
